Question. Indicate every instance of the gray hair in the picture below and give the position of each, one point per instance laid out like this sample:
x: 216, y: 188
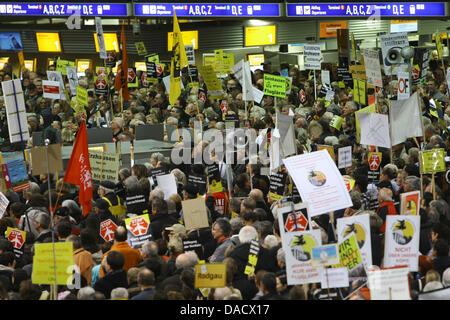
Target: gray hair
x: 34, y: 188
x: 43, y: 219
x: 222, y: 293
x: 385, y: 194
x: 119, y: 293
x: 414, y: 182
x: 331, y: 140
x: 186, y: 260
x: 74, y: 209
x: 270, y: 241
x: 236, y: 225
x: 157, y: 193
x: 130, y: 180
x: 281, y: 255
x: 150, y: 248
x: 179, y: 176
x: 247, y: 234
x: 433, y: 285
x: 86, y: 293
x: 158, y: 156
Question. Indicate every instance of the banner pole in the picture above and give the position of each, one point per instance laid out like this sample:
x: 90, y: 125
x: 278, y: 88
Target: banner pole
x: 18, y: 119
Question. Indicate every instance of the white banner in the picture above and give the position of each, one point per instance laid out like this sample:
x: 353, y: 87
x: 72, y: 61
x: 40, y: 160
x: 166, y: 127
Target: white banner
x: 313, y: 56
x: 404, y: 116
x: 402, y: 242
x: 14, y: 101
x: 391, y: 46
x: 374, y: 129
x: 190, y: 53
x: 51, y: 89
x: 373, y: 69
x: 389, y: 284
x: 57, y: 76
x: 73, y: 79
x: 100, y: 37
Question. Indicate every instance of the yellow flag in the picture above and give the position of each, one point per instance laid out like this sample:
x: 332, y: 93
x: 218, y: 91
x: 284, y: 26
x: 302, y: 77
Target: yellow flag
x: 175, y: 84
x: 179, y: 52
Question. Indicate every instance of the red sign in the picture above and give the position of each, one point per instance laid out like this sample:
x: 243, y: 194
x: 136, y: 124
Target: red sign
x: 302, y: 96
x: 144, y: 80
x: 202, y: 96
x: 102, y: 73
x: 51, y: 89
x: 16, y: 238
x: 131, y: 75
x: 107, y: 229
x: 374, y: 160
x: 100, y: 83
x: 296, y: 222
x: 138, y: 226
x: 224, y: 106
x: 159, y: 69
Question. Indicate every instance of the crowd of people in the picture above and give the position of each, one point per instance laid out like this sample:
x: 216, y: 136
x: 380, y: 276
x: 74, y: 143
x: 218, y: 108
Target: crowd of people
x: 161, y: 268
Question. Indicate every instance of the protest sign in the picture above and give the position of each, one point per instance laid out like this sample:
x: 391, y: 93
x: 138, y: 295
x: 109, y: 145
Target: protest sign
x: 56, y: 76
x: 100, y: 37
x: 258, y: 95
x: 330, y: 150
x: 410, y: 203
x: 403, y: 85
x: 73, y: 79
x: 389, y: 284
x: 274, y: 86
x: 334, y: 278
x: 313, y: 56
x: 360, y: 226
x: 210, y: 275
x: 345, y: 157
x: 319, y: 182
x: 325, y: 76
x: 196, y: 246
x: 168, y: 184
x: 373, y: 69
x: 325, y: 255
x: 337, y: 121
x: 215, y: 90
x: 107, y: 229
x: 15, y: 111
x: 432, y: 161
x: 3, y: 204
x: 44, y: 266
x: 297, y: 247
x: 15, y: 175
x: 402, y: 241
x: 138, y: 230
x: 293, y: 218
x: 277, y: 184
x: 140, y: 47
x: 51, y: 89
x: 41, y: 165
x: 404, y: 116
x: 104, y: 166
x: 374, y: 129
x: 350, y: 257
x: 17, y: 238
x: 391, y: 46
x: 214, y: 178
x: 199, y: 181
x: 82, y: 96
x: 369, y: 109
x: 194, y: 213
x: 190, y: 54
x: 62, y: 65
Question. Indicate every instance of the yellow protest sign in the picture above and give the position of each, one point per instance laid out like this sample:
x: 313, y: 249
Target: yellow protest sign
x: 210, y: 275
x: 349, y: 254
x: 43, y: 263
x: 215, y: 89
x: 439, y: 45
x: 82, y: 96
x: 61, y: 66
x: 362, y: 92
x: 153, y: 58
x: 369, y: 109
x: 328, y: 148
x: 140, y: 47
x: 336, y: 122
x: 358, y: 71
x: 432, y: 161
x: 274, y: 86
x: 215, y: 186
x: 21, y: 60
x: 355, y: 91
x: 104, y: 165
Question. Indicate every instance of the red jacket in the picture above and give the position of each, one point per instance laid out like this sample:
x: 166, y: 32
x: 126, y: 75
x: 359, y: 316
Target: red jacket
x: 385, y: 209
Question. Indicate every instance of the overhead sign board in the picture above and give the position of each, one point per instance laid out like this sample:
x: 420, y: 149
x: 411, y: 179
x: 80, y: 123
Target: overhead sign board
x: 48, y: 41
x: 260, y: 36
x: 361, y: 9
x: 207, y: 9
x: 63, y: 9
x: 189, y: 38
x: 111, y: 42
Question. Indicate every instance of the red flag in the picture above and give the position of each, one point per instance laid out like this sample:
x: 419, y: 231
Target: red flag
x: 78, y: 170
x: 122, y: 70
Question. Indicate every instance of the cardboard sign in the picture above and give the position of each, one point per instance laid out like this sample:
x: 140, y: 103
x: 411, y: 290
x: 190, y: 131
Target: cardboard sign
x: 43, y: 267
x: 210, y: 275
x: 104, y: 166
x: 402, y: 241
x: 274, y: 86
x: 345, y: 157
x: 410, y: 203
x: 15, y: 111
x: 140, y: 47
x: 139, y: 230
x: 39, y: 159
x: 432, y: 161
x: 194, y: 213
x: 319, y: 182
x: 324, y: 255
x: 389, y: 284
x: 330, y: 150
x: 359, y: 225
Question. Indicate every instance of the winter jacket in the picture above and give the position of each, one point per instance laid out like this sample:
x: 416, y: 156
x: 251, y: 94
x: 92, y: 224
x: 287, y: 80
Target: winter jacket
x: 26, y: 222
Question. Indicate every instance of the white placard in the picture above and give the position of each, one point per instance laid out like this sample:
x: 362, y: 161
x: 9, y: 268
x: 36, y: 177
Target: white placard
x: 330, y: 95
x: 73, y: 79
x: 389, y: 284
x: 51, y: 89
x: 57, y: 76
x: 319, y: 182
x: 258, y: 95
x: 168, y: 184
x: 403, y: 85
x: 14, y: 101
x: 391, y: 45
x: 345, y: 157
x: 405, y: 119
x: 166, y: 81
x: 448, y: 81
x: 373, y: 69
x: 374, y: 129
x: 190, y: 54
x: 334, y: 278
x: 325, y: 76
x: 313, y: 56
x: 3, y: 204
x: 100, y: 37
x: 402, y: 241
x: 360, y: 226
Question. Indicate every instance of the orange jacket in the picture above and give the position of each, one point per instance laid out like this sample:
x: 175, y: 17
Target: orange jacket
x: 386, y: 208
x: 132, y: 256
x: 83, y: 259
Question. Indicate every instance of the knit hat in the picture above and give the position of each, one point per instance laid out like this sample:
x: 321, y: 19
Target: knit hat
x: 101, y: 204
x: 108, y: 185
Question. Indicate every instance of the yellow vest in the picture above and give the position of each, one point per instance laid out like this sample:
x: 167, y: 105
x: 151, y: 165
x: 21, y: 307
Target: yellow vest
x: 118, y: 210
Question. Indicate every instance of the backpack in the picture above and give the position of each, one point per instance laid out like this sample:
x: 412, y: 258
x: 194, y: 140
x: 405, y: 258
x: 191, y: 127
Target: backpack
x: 118, y: 210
